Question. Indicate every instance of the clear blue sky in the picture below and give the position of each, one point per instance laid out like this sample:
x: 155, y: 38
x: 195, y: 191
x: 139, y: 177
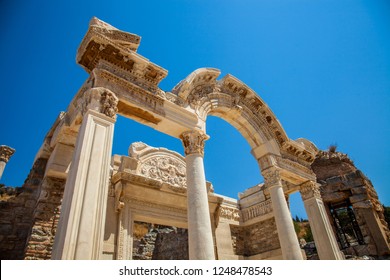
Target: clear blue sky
x: 323, y: 67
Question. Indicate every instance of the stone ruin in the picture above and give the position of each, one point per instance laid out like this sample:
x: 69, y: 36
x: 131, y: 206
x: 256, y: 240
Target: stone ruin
x: 352, y: 205
x: 81, y: 202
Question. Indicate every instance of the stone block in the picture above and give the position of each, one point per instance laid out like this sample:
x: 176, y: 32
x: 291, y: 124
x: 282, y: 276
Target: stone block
x: 364, y: 231
x: 359, y: 190
x: 372, y: 250
x: 20, y: 211
x: 39, y: 232
x: 30, y: 203
x: 357, y: 198
x: 334, y: 197
x: 39, y: 238
x: 354, y: 180
x: 19, y: 200
x: 20, y: 246
x: 361, y: 250
x: 334, y: 180
x: 9, y: 245
x: 366, y: 204
x: 128, y: 164
x: 6, y: 229
x: 59, y: 161
x: 40, y: 247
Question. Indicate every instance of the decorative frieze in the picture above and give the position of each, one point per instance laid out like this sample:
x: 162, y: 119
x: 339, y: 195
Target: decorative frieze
x: 198, y: 93
x: 256, y: 210
x: 167, y: 170
x: 310, y: 189
x: 305, y: 155
x: 134, y: 93
x: 193, y: 142
x: 229, y: 213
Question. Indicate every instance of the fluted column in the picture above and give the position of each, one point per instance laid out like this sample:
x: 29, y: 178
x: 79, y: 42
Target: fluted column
x: 81, y: 225
x: 323, y: 234
x: 284, y: 224
x: 200, y: 237
x: 5, y: 154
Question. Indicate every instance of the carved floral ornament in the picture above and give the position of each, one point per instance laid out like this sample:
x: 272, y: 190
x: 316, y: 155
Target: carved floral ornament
x: 272, y: 177
x: 198, y: 93
x: 166, y: 169
x: 6, y: 153
x: 101, y: 100
x: 193, y: 142
x: 310, y: 189
x: 229, y: 213
x: 109, y: 104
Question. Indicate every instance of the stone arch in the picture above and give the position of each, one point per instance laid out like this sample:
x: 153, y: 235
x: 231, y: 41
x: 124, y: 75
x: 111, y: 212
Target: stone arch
x: 233, y: 101
x: 236, y: 103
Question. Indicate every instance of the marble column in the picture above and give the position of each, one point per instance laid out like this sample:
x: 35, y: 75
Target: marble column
x: 200, y: 237
x: 5, y: 154
x: 323, y: 234
x: 284, y: 224
x: 81, y: 225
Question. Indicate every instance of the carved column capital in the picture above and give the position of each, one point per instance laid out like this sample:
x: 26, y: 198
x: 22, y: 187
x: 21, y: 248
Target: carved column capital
x: 6, y: 153
x: 267, y: 161
x: 101, y: 100
x: 193, y: 142
x: 272, y: 177
x: 310, y: 189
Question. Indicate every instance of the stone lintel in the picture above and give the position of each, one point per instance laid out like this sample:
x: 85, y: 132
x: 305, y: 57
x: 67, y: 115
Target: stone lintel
x: 142, y: 105
x: 138, y: 179
x: 59, y: 161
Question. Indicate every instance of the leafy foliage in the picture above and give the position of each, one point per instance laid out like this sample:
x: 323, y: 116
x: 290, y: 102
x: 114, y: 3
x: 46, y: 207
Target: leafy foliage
x: 332, y: 148
x: 297, y: 226
x: 309, y: 235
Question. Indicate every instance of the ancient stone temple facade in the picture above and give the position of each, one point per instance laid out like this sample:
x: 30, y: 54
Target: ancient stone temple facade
x: 82, y: 202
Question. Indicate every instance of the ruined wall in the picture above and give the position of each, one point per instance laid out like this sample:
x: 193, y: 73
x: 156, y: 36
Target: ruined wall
x: 341, y: 181
x: 158, y: 242
x: 45, y: 219
x: 16, y: 214
x: 255, y: 239
x: 238, y: 241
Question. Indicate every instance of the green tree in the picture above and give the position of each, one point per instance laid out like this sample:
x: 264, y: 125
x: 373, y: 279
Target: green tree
x: 309, y: 235
x: 297, y: 226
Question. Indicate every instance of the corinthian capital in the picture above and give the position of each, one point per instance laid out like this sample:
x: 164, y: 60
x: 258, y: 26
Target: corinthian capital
x: 271, y: 177
x: 6, y: 153
x: 193, y: 142
x: 310, y: 189
x: 101, y: 100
